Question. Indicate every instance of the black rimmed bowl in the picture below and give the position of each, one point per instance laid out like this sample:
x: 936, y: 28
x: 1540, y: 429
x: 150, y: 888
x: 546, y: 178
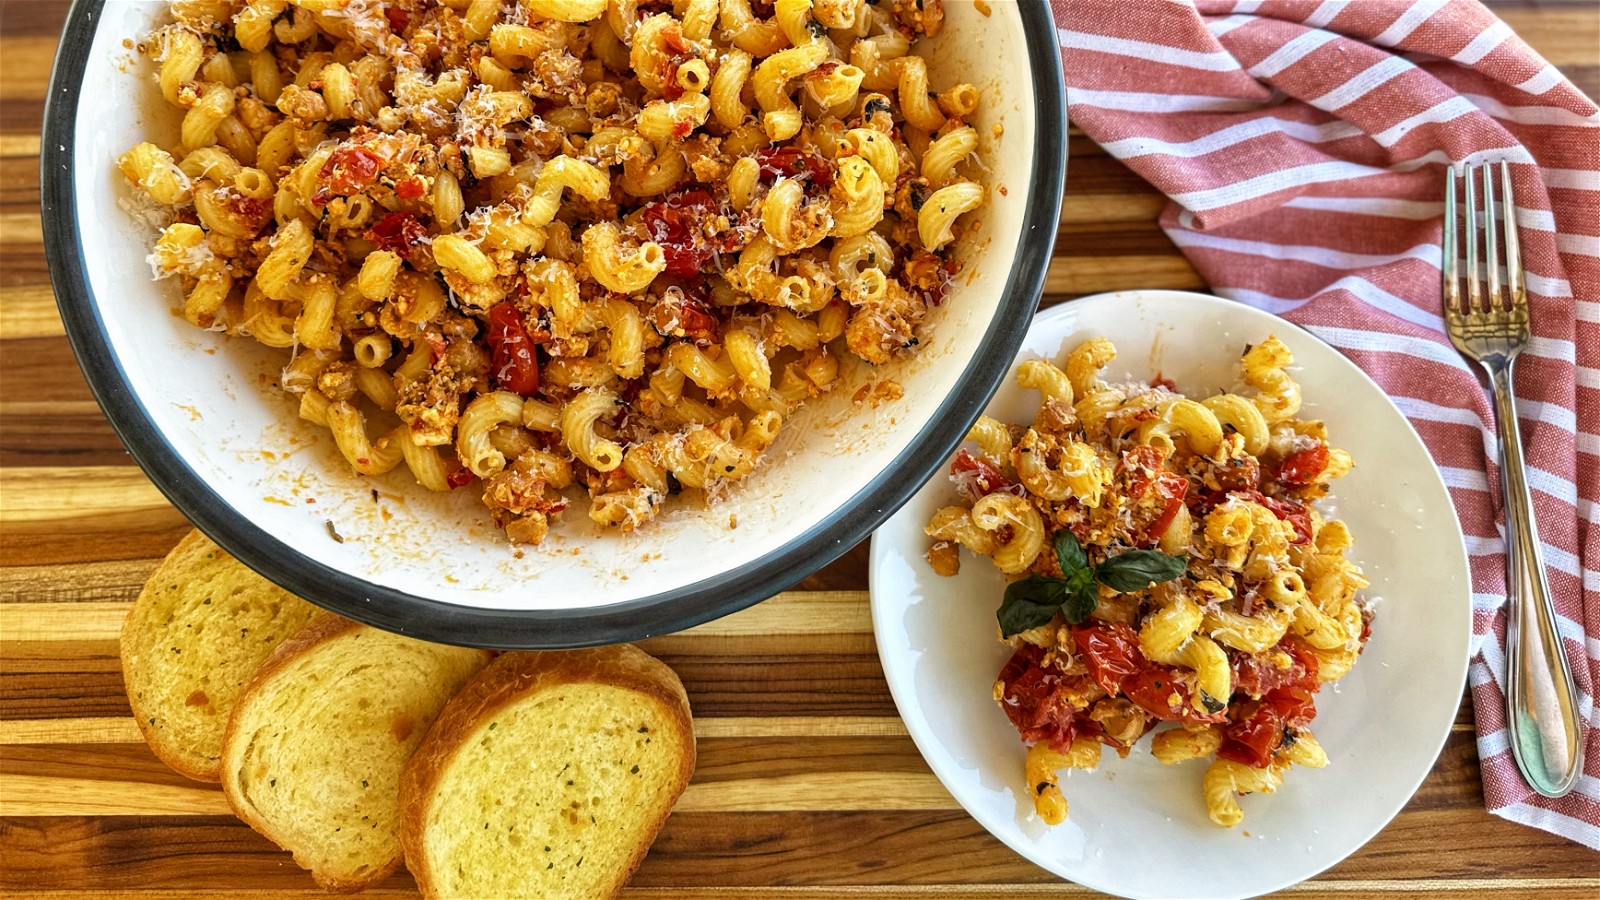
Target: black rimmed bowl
x: 202, y: 415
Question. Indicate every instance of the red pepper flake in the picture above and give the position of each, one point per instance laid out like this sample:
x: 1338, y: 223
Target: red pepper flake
x: 411, y: 188
x: 459, y: 478
x: 398, y: 18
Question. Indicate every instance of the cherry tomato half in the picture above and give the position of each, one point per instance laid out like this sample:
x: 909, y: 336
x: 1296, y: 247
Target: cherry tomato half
x: 1112, y: 653
x: 1303, y: 466
x: 515, y: 365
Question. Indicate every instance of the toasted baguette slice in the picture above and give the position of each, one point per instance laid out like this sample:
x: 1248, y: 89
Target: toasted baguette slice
x: 314, y: 750
x: 548, y: 776
x: 201, y: 627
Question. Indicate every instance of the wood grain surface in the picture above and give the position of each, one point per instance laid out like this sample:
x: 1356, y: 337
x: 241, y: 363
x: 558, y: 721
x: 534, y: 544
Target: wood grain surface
x: 808, y: 785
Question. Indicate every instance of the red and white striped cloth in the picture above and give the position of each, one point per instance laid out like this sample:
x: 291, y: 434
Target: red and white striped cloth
x: 1303, y: 144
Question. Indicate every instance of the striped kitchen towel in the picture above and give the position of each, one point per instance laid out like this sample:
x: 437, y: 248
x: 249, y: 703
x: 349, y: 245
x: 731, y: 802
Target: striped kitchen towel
x: 1303, y: 145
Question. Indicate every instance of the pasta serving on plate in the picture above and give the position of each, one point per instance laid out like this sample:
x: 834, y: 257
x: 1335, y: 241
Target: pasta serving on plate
x: 1169, y: 568
x: 540, y: 244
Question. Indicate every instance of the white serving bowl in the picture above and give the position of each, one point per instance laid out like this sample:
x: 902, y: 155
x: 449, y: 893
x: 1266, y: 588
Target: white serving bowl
x: 201, y: 412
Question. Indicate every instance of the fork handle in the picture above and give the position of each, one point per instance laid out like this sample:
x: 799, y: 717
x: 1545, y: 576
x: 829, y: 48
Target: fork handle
x: 1542, y: 722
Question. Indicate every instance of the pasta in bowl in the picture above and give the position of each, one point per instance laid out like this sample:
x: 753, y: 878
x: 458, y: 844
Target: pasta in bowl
x: 664, y: 262
x: 1101, y: 590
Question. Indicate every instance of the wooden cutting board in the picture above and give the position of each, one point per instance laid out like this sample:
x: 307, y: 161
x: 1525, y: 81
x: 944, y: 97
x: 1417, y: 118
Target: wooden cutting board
x: 808, y: 786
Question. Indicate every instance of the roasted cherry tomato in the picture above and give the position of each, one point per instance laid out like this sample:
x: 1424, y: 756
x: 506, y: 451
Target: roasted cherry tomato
x: 1242, y: 473
x: 1254, y: 737
x: 976, y: 477
x: 677, y: 223
x: 687, y: 313
x: 398, y: 232
x: 1293, y: 513
x: 1160, y: 692
x: 1295, y: 704
x: 1032, y: 701
x: 515, y: 365
x: 1303, y: 466
x: 1112, y: 653
x: 1164, y: 521
x: 1255, y: 675
x: 791, y: 162
x: 410, y: 189
x: 351, y: 170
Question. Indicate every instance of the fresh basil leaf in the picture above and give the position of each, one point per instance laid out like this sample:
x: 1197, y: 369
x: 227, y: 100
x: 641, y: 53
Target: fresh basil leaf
x: 1079, y: 580
x: 1069, y: 553
x: 1040, y: 589
x: 1030, y: 603
x: 1136, y: 570
x: 1081, y: 604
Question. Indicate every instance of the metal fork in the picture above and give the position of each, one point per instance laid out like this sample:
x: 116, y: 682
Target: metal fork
x: 1492, y: 327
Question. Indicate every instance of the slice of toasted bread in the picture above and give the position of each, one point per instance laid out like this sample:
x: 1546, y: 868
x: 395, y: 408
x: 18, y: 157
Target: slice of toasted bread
x: 201, y: 627
x: 548, y: 776
x: 313, y: 753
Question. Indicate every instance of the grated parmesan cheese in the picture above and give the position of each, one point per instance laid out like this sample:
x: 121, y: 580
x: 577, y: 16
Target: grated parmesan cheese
x: 165, y: 264
x: 142, y: 208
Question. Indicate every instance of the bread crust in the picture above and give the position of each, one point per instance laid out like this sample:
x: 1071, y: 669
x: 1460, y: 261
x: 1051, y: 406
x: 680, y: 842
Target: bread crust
x: 510, y: 678
x: 127, y: 651
x: 179, y: 565
x: 326, y: 628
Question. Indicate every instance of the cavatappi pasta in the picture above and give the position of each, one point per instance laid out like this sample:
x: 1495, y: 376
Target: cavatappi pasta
x: 1168, y: 567
x: 530, y: 244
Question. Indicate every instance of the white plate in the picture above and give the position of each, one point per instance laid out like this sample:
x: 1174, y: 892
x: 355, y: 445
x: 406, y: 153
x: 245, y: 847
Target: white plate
x: 1137, y: 828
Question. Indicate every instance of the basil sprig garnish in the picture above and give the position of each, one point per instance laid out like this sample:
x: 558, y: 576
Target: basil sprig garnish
x: 1135, y: 570
x: 1035, y: 600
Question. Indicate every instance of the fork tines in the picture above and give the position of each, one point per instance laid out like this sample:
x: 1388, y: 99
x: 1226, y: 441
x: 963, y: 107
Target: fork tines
x: 1477, y: 299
